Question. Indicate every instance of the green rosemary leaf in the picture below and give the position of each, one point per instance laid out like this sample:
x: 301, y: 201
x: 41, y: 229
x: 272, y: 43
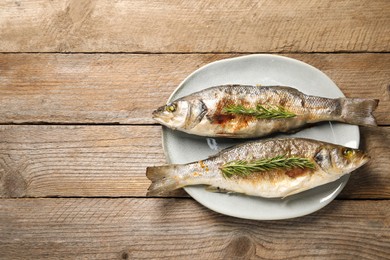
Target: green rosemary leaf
x: 244, y: 168
x: 260, y: 112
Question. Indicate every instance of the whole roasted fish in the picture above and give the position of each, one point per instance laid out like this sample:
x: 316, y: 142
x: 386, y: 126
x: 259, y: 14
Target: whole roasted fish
x: 267, y: 168
x: 240, y: 111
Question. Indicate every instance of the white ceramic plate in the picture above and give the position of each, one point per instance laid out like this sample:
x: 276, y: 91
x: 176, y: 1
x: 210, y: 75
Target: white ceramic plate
x: 265, y: 70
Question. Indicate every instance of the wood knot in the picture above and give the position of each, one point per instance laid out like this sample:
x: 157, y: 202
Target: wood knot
x: 124, y: 255
x: 240, y: 247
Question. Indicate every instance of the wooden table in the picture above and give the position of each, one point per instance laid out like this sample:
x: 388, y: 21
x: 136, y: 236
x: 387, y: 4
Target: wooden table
x: 78, y: 83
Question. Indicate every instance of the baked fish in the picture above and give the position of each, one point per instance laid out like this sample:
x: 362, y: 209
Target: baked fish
x: 241, y: 111
x: 267, y: 168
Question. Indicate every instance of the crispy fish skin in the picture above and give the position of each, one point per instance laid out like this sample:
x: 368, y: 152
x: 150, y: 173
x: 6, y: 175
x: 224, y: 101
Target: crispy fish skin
x: 331, y: 162
x: 202, y: 113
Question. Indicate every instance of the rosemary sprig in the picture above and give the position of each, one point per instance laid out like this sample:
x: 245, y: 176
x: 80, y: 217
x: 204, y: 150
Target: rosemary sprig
x: 244, y: 168
x: 260, y: 112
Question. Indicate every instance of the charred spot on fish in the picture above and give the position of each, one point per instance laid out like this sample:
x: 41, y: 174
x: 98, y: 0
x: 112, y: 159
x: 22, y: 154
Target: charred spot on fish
x: 218, y: 117
x: 222, y: 118
x: 283, y: 101
x: 296, y: 172
x: 229, y: 122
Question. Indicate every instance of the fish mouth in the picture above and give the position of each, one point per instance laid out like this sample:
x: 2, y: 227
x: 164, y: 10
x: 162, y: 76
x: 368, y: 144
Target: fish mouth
x: 159, y: 116
x: 155, y: 114
x: 158, y: 113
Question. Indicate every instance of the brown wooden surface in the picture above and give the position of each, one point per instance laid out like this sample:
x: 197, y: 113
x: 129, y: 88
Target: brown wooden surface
x: 79, y: 80
x: 181, y: 228
x: 94, y: 161
x: 125, y: 89
x: 194, y: 26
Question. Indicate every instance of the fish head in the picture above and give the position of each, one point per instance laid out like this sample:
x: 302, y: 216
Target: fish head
x: 340, y: 160
x: 172, y: 115
x: 180, y: 114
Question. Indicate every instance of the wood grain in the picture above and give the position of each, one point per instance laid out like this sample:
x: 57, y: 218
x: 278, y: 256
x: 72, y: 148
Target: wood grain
x: 181, y: 228
x: 77, y: 160
x: 68, y: 67
x: 82, y: 161
x: 125, y: 89
x: 218, y: 26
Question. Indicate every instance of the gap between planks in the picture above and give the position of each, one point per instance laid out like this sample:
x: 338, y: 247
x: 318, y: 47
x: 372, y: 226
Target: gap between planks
x: 184, y: 197
x: 200, y: 53
x: 99, y: 124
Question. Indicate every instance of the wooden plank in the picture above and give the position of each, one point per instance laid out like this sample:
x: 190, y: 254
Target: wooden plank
x: 126, y: 89
x: 181, y: 228
x: 83, y: 161
x: 43, y: 161
x: 201, y: 26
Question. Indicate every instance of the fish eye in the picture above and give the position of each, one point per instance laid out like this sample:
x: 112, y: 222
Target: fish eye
x: 348, y: 152
x: 170, y: 108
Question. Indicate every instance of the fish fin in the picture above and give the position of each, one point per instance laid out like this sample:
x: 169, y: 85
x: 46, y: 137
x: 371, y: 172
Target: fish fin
x: 196, y: 116
x: 162, y: 178
x: 293, y: 192
x: 295, y: 130
x: 224, y: 135
x: 217, y: 189
x: 358, y: 111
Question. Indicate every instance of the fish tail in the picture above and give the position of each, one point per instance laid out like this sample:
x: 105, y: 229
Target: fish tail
x: 358, y: 111
x: 163, y: 179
